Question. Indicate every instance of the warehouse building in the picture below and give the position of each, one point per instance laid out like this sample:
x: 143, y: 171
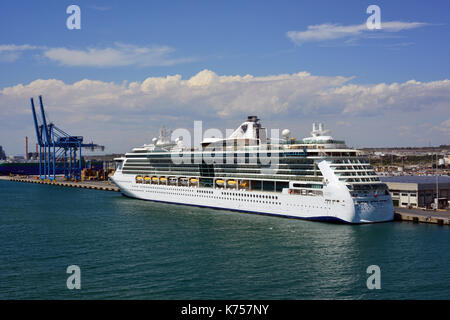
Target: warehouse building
x: 418, y: 191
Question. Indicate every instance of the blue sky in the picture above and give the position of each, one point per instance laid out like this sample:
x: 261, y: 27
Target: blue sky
x: 121, y: 43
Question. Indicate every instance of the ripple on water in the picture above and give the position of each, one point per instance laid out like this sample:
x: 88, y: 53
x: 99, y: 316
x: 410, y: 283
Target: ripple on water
x: 132, y: 249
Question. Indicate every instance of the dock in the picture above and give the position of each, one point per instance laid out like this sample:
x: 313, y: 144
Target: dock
x: 440, y: 217
x: 96, y: 185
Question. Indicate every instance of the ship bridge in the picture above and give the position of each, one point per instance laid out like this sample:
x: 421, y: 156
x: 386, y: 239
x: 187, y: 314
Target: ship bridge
x: 249, y: 133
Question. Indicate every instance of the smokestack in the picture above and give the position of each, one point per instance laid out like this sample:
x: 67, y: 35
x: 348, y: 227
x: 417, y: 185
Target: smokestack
x: 26, y: 148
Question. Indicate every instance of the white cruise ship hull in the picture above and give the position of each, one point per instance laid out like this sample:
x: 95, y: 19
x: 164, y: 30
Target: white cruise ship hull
x: 354, y: 211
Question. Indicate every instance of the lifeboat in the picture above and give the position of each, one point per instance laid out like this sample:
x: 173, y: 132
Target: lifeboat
x: 163, y: 179
x: 243, y: 184
x: 231, y: 182
x: 138, y: 179
x: 220, y: 182
x: 146, y: 179
x: 193, y: 180
x: 183, y: 181
x: 155, y: 179
x: 172, y: 180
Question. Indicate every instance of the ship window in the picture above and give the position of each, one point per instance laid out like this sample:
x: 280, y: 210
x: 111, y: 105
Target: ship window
x: 268, y: 186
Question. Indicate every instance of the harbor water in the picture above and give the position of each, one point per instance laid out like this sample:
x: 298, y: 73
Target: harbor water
x: 132, y: 249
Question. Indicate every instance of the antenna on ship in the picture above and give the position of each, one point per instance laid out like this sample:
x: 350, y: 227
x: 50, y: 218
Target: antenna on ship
x: 318, y: 129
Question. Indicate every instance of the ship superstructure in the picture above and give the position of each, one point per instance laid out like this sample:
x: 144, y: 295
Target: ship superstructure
x: 317, y: 178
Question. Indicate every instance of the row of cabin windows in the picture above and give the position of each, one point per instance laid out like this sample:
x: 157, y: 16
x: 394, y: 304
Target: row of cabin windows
x: 227, y: 195
x: 311, y: 177
x: 221, y: 166
x: 254, y: 185
x: 224, y: 160
x: 216, y: 168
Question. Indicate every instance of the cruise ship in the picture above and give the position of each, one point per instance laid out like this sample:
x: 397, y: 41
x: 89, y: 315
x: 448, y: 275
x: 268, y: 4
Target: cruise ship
x: 316, y: 178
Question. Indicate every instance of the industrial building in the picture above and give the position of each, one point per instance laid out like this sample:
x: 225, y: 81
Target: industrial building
x: 2, y: 153
x: 418, y: 191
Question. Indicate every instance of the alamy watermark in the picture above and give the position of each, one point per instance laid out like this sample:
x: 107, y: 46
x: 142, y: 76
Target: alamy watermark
x: 74, y: 280
x: 74, y: 20
x: 374, y: 21
x: 238, y: 149
x: 374, y: 280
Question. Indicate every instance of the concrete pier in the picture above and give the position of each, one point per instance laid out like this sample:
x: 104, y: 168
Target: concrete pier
x: 97, y: 185
x: 440, y: 217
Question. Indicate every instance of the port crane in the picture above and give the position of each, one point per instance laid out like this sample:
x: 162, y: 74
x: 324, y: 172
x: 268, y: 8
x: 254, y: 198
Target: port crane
x: 56, y: 146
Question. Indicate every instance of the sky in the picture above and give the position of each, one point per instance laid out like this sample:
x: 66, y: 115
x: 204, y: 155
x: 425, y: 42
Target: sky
x: 136, y: 65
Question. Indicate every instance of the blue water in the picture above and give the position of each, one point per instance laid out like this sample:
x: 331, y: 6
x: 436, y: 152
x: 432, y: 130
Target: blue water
x: 132, y: 249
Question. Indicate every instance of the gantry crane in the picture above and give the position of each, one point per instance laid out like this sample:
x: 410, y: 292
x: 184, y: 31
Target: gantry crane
x: 56, y: 146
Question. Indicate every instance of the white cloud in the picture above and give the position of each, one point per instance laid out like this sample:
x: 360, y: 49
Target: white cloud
x: 329, y: 31
x: 11, y: 52
x: 115, y: 56
x: 443, y: 128
x: 224, y: 96
x: 128, y: 114
x: 118, y: 55
x: 14, y: 47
